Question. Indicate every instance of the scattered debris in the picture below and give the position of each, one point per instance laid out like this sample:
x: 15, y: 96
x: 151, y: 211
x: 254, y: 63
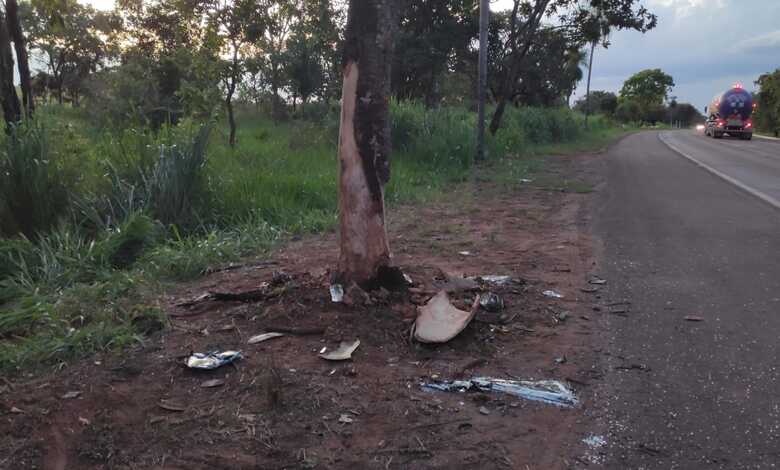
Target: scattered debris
x: 641, y: 367
x: 526, y: 180
x: 439, y: 321
x: 336, y: 293
x: 71, y: 395
x: 456, y: 283
x: 551, y: 392
x: 346, y: 419
x: 171, y: 405
x: 297, y: 331
x: 212, y: 383
x: 589, y: 290
x: 561, y: 359
x: 343, y: 353
x: 84, y: 421
x: 597, y: 281
x: 495, y: 279
x: 491, y: 302
x: 16, y: 410
x: 562, y: 316
x: 279, y: 278
x: 212, y: 360
x: 483, y: 410
x: 464, y: 253
x: 553, y: 294
x: 693, y: 318
x: 408, y: 279
x: 595, y: 442
x: 264, y: 337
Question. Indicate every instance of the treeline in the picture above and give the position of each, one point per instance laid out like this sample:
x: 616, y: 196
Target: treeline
x: 155, y: 61
x: 767, y: 116
x: 644, y: 98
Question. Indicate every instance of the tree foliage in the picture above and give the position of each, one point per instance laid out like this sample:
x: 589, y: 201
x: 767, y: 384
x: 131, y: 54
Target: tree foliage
x: 648, y: 87
x: 767, y: 116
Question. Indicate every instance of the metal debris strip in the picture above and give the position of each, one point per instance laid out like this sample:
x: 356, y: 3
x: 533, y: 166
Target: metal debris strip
x: 212, y: 360
x: 337, y: 293
x: 495, y: 279
x: 553, y: 294
x: 264, y: 337
x: 551, y: 392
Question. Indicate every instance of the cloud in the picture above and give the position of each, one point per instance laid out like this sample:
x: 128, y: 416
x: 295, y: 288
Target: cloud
x: 766, y: 42
x: 684, y: 8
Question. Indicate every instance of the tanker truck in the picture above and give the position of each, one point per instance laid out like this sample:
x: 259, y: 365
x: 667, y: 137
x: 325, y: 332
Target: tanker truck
x: 729, y: 113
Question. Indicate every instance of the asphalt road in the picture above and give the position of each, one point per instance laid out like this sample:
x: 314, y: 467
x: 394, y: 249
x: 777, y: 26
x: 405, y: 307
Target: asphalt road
x: 679, y: 241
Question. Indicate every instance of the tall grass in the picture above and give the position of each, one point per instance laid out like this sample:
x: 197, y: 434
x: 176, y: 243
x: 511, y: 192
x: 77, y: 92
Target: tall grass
x: 114, y: 213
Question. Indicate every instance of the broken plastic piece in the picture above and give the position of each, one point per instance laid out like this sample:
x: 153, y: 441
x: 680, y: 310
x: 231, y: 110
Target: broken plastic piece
x: 263, y: 337
x: 464, y: 253
x: 551, y: 392
x: 408, y: 279
x: 212, y: 360
x: 491, y: 302
x: 439, y: 321
x: 553, y: 294
x: 70, y: 395
x: 336, y: 293
x: 343, y: 353
x: 597, y: 281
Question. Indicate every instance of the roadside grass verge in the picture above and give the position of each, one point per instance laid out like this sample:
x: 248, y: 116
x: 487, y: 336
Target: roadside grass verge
x: 140, y: 210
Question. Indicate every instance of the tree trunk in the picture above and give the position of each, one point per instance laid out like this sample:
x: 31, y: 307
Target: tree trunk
x: 15, y: 29
x: 484, y: 24
x: 587, y: 90
x: 12, y: 111
x: 364, y: 141
x: 523, y: 35
x: 231, y: 121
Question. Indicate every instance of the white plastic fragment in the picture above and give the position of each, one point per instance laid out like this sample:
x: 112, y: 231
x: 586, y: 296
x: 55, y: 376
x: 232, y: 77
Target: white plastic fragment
x: 595, y: 442
x: 464, y: 253
x: 551, y: 392
x: 336, y: 293
x: 212, y: 360
x: 264, y: 337
x: 553, y: 294
x: 439, y: 321
x: 343, y: 353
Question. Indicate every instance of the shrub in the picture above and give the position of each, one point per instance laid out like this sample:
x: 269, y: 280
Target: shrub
x: 32, y: 194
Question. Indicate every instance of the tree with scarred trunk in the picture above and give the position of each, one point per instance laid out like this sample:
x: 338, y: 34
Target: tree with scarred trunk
x: 364, y: 142
x: 20, y: 46
x: 12, y: 112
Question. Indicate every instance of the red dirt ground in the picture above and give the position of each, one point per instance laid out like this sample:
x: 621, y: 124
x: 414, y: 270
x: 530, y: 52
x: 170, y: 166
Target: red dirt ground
x: 280, y: 406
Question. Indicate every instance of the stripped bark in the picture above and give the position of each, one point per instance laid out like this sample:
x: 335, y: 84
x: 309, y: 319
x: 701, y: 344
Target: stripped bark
x: 12, y: 111
x: 23, y: 63
x: 364, y: 141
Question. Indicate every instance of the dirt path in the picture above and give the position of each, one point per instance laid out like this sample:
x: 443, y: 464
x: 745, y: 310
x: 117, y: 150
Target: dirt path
x: 283, y: 407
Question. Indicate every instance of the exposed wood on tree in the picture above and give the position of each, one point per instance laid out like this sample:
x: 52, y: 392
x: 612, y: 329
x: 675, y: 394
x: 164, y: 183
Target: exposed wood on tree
x: 12, y: 111
x: 364, y: 140
x: 20, y: 45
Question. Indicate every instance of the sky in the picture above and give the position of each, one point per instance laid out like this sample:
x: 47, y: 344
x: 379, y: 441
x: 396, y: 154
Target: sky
x: 705, y: 45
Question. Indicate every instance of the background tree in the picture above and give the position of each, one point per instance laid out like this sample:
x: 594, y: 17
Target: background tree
x: 364, y: 142
x: 20, y: 46
x: 12, y: 111
x: 767, y: 117
x: 576, y: 19
x: 648, y: 87
x: 604, y: 102
x: 237, y: 25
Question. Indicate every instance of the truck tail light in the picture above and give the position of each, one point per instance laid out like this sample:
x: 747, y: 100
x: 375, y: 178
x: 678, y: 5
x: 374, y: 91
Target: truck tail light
x: 721, y: 123
x: 749, y: 125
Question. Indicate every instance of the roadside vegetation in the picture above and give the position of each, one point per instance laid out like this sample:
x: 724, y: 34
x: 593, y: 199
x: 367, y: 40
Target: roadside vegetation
x: 97, y: 225
x: 167, y: 138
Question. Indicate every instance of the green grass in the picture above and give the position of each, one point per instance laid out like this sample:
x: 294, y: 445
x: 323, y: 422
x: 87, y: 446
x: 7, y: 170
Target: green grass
x: 141, y: 210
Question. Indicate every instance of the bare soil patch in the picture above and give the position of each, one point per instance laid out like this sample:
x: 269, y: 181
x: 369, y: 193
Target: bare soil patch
x: 282, y: 406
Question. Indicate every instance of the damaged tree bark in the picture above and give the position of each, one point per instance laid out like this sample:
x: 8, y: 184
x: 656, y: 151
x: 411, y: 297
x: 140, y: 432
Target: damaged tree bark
x: 364, y: 141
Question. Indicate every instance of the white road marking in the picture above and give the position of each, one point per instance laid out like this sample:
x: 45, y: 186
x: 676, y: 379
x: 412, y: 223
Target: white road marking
x: 763, y: 196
